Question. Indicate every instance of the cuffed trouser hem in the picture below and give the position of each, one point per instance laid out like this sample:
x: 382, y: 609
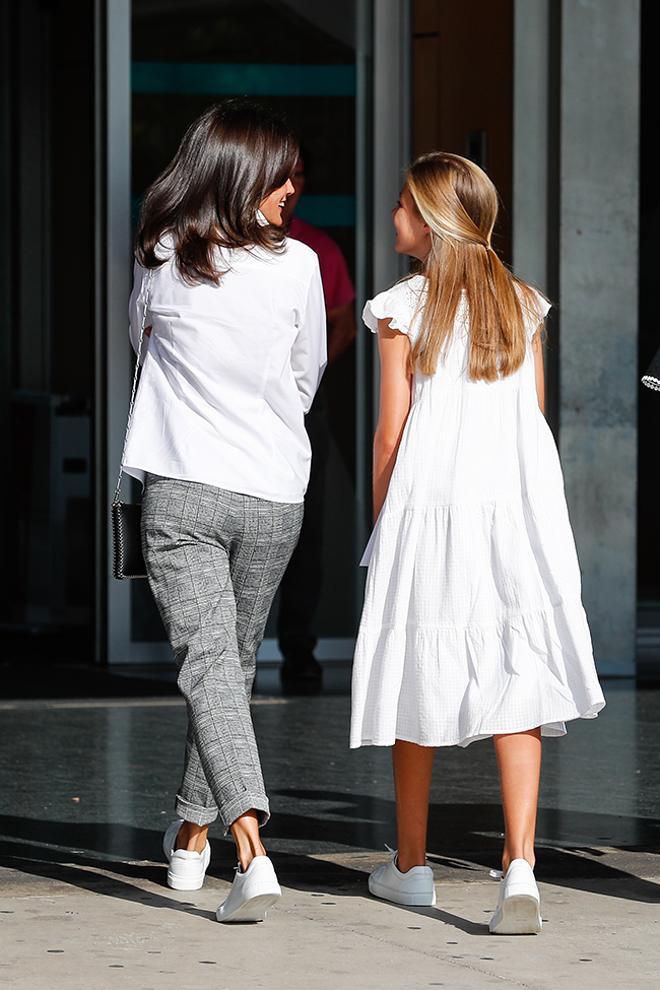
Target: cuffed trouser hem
x: 205, y: 816
x: 194, y: 812
x: 240, y: 805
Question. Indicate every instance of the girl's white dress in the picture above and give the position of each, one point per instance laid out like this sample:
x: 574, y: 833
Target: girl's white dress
x: 472, y: 621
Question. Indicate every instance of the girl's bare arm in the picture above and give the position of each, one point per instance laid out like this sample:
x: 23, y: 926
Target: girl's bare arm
x: 537, y: 347
x: 395, y: 399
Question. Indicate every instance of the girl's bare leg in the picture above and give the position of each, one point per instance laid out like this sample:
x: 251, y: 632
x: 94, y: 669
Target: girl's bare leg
x: 413, y: 766
x: 519, y: 760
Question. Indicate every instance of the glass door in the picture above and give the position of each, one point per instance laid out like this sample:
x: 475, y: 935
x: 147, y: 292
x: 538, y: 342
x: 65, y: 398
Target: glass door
x: 311, y: 63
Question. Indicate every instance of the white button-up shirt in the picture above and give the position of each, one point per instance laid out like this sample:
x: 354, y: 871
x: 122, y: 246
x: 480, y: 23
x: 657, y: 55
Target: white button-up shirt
x: 229, y: 372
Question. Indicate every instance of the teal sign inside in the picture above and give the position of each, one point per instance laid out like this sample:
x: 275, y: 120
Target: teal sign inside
x: 237, y: 79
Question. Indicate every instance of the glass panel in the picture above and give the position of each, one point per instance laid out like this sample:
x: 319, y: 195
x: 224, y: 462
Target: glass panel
x: 47, y: 329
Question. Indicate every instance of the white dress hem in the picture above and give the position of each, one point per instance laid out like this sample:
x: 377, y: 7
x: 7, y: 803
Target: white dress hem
x: 552, y: 728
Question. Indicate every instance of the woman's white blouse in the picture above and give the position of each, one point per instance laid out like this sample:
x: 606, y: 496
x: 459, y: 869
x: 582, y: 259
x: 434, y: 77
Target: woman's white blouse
x: 229, y: 372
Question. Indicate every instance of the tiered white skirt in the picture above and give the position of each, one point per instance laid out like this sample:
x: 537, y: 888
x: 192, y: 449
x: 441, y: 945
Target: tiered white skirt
x: 473, y: 625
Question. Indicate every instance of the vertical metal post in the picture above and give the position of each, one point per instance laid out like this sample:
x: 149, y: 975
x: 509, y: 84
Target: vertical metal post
x: 532, y: 177
x: 113, y: 157
x: 384, y: 51
x: 363, y: 270
x: 391, y: 130
x: 6, y: 268
x: 99, y: 478
x: 391, y: 140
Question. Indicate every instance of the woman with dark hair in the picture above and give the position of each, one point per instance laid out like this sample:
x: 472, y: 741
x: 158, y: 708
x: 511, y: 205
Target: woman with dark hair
x: 235, y: 324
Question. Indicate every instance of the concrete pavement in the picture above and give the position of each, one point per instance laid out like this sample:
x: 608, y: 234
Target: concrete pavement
x: 81, y: 923
x: 87, y: 787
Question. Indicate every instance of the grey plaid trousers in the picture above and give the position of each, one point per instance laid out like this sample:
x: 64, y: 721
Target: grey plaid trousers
x: 214, y: 561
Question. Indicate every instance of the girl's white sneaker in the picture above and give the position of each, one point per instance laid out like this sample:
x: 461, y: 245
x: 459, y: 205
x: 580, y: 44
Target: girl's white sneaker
x: 414, y: 888
x: 252, y: 892
x: 519, y: 907
x: 186, y: 869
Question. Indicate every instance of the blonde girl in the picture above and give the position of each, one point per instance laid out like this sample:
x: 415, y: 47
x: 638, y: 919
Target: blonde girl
x: 473, y: 624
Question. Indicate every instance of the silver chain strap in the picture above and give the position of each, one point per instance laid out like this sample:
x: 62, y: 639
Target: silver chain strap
x: 134, y: 388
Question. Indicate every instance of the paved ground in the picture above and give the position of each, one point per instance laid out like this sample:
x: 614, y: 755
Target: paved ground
x: 87, y: 787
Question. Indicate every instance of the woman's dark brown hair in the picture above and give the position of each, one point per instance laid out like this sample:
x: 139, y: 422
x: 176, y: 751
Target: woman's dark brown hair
x: 229, y: 160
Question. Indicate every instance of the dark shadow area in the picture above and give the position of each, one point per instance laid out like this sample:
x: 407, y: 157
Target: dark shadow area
x: 472, y: 838
x: 66, y: 853
x: 51, y: 680
x: 38, y: 848
x: 80, y: 871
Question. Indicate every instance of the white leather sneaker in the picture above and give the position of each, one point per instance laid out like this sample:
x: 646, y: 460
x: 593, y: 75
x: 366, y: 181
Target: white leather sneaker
x: 186, y: 869
x: 252, y: 892
x: 414, y: 887
x: 519, y: 907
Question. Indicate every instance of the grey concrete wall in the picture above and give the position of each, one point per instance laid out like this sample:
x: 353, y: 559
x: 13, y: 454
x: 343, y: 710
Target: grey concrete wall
x: 598, y: 310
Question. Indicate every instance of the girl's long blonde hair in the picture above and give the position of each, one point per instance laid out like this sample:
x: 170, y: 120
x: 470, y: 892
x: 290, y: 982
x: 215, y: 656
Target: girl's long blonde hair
x: 458, y: 202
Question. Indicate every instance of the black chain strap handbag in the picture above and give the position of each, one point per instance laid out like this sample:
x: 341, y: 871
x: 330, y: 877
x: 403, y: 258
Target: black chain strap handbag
x: 652, y: 377
x: 128, y: 561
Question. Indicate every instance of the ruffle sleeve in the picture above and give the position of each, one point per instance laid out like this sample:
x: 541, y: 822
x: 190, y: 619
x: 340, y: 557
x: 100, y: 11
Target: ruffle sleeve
x: 398, y: 305
x: 535, y: 311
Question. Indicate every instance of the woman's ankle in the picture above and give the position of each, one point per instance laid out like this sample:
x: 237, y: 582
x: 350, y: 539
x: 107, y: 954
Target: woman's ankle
x: 192, y: 837
x: 246, y: 855
x: 246, y: 835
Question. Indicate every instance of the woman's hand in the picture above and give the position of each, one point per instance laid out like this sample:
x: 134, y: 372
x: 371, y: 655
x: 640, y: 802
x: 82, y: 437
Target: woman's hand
x: 395, y: 399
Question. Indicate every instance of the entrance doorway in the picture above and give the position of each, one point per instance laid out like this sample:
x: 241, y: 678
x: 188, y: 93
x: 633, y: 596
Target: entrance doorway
x: 312, y: 64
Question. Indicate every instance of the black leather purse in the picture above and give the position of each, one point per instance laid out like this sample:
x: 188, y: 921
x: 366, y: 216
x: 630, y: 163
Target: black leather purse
x: 652, y: 377
x: 128, y: 561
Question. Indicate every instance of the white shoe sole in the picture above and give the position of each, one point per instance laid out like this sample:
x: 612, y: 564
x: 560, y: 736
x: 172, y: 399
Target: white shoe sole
x: 399, y: 897
x: 185, y: 883
x: 519, y: 914
x: 253, y: 909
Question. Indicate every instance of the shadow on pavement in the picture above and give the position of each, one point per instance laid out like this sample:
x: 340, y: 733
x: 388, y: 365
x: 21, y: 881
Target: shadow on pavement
x: 82, y: 854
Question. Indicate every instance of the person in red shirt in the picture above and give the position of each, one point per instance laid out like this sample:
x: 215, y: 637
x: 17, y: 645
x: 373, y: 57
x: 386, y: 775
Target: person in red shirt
x: 300, y: 589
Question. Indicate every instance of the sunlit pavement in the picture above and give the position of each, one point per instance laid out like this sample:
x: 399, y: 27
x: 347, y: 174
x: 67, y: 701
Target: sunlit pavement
x: 87, y: 787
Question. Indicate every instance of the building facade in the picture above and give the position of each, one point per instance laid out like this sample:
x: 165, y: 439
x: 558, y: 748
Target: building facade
x: 552, y: 97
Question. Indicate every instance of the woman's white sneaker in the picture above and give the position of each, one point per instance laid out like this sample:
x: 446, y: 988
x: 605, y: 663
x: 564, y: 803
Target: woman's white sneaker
x: 519, y: 907
x: 252, y: 892
x: 415, y: 887
x: 186, y: 869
